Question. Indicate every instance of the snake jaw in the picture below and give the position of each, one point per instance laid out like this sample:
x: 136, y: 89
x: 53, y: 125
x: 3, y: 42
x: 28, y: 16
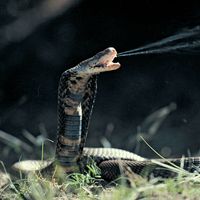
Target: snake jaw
x: 105, y: 60
x: 112, y: 66
x: 101, y: 62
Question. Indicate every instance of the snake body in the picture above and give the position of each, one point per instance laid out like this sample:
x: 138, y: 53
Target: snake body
x: 76, y: 96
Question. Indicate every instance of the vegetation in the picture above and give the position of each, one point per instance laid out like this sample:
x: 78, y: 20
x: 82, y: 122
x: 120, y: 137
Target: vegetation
x: 89, y: 185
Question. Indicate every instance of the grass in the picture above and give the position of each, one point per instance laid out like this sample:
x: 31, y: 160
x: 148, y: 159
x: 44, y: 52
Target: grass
x: 89, y: 185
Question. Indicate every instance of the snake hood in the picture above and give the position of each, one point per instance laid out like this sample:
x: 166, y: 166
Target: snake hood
x: 101, y: 62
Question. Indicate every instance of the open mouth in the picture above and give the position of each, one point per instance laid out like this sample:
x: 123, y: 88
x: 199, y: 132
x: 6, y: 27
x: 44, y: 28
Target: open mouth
x: 113, y: 65
x: 111, y: 55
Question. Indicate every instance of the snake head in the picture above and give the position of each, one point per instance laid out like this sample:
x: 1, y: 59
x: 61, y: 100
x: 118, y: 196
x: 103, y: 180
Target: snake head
x: 101, y: 62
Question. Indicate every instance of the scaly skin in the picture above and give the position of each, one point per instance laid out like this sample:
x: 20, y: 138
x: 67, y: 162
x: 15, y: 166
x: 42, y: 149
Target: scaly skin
x: 76, y: 96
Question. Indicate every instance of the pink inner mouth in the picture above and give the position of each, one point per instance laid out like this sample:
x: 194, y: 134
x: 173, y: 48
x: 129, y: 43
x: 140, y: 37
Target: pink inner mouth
x: 112, y: 55
x: 110, y: 63
x: 106, y: 60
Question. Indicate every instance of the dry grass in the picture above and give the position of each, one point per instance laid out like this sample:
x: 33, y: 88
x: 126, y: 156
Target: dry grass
x: 89, y: 185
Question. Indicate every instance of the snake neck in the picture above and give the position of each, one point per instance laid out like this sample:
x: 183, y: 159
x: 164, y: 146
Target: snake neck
x: 76, y: 91
x: 70, y: 95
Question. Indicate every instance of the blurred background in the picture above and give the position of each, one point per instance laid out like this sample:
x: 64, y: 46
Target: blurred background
x: 41, y: 39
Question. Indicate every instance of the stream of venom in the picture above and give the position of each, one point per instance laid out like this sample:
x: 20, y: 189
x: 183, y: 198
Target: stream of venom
x: 186, y: 41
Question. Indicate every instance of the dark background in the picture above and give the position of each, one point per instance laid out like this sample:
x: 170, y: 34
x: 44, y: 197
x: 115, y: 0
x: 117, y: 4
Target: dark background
x: 34, y: 52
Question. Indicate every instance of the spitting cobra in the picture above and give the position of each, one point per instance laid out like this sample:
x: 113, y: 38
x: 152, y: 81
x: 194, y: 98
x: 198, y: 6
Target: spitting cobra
x: 76, y: 96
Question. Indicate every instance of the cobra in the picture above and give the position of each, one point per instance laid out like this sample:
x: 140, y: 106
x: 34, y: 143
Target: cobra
x: 76, y: 96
